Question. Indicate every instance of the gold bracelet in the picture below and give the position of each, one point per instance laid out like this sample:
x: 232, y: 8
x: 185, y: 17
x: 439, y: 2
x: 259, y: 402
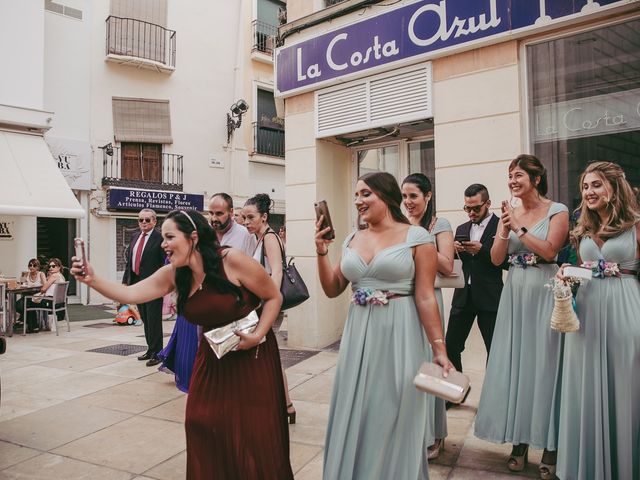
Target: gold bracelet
x: 503, y: 238
x: 322, y: 254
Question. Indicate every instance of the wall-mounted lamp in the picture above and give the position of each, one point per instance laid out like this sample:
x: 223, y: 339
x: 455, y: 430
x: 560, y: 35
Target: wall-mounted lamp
x: 235, y: 119
x: 108, y: 149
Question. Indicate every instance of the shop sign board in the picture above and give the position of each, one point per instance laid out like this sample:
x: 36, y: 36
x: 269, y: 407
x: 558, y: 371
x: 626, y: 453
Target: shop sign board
x: 6, y: 230
x: 158, y: 200
x: 418, y: 31
x: 73, y: 158
x: 586, y: 117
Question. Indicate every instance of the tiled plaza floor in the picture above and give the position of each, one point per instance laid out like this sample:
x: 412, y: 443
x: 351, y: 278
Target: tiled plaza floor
x: 70, y: 414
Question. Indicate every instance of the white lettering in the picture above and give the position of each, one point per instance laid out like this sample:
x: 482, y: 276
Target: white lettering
x: 458, y: 26
x: 332, y: 43
x: 301, y: 76
x: 357, y: 58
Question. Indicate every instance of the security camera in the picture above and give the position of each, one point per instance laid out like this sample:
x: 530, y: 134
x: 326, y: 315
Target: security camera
x: 239, y: 108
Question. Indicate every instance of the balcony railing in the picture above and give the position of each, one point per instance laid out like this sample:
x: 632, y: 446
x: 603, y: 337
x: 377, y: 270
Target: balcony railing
x: 264, y: 37
x: 268, y: 138
x: 134, y: 38
x: 163, y: 173
x: 328, y: 3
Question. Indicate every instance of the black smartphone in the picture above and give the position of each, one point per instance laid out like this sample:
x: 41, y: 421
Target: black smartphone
x: 78, y: 244
x: 462, y: 238
x: 322, y: 209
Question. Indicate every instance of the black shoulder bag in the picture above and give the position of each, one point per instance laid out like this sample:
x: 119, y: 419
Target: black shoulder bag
x: 292, y: 287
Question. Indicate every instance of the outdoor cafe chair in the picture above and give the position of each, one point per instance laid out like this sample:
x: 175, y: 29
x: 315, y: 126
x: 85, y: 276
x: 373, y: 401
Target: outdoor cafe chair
x: 56, y: 303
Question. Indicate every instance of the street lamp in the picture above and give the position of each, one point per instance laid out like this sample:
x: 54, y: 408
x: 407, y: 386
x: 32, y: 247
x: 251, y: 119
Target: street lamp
x: 234, y: 120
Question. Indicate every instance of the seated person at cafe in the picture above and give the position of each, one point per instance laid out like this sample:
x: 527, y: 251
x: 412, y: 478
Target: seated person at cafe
x: 32, y: 278
x: 54, y: 275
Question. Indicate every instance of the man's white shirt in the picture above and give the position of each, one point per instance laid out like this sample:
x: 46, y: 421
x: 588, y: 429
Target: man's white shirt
x: 239, y: 237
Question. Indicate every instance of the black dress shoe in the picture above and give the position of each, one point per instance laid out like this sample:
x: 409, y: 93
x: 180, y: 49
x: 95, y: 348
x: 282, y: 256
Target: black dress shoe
x: 154, y: 360
x: 145, y: 356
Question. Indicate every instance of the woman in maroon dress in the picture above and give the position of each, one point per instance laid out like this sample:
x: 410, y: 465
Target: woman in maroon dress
x: 235, y: 423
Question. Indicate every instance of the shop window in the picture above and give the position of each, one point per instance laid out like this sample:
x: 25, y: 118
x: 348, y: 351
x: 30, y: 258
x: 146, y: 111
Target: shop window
x: 422, y: 159
x: 381, y: 159
x: 584, y: 104
x: 269, y: 128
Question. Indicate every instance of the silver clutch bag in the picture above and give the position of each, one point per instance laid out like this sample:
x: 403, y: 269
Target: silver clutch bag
x: 429, y: 379
x: 224, y: 339
x: 453, y: 280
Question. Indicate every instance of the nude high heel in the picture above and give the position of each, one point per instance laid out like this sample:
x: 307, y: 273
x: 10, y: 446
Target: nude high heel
x: 516, y: 463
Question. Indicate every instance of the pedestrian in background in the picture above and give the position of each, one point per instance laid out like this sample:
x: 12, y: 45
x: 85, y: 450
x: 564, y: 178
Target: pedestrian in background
x: 378, y: 420
x: 235, y: 424
x: 519, y: 403
x: 419, y: 200
x: 268, y: 252
x: 144, y: 259
x: 599, y: 430
x: 482, y: 279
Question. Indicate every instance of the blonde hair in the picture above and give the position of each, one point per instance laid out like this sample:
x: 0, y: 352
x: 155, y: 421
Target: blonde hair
x: 622, y: 205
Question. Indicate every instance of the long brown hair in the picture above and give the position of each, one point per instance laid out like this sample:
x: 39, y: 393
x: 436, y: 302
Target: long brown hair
x: 385, y: 186
x: 534, y: 168
x: 622, y: 205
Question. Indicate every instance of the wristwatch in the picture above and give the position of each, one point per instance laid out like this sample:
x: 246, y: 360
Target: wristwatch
x: 521, y: 231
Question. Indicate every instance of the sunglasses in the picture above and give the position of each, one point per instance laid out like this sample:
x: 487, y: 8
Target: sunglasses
x: 145, y: 220
x: 34, y: 265
x: 53, y: 266
x: 474, y: 209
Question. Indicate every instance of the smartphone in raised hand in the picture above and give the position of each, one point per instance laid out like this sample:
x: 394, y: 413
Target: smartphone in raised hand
x: 78, y: 244
x: 323, y: 210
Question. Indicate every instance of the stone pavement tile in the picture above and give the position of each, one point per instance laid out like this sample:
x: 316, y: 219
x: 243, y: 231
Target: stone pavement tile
x: 460, y: 473
x: 296, y: 379
x: 11, y: 454
x: 134, y: 396
x: 143, y: 478
x: 300, y: 455
x: 311, y: 413
x: 439, y: 472
x: 48, y: 467
x: 312, y: 470
x: 134, y: 445
x: 73, y: 386
x: 172, y: 410
x: 477, y: 454
x: 55, y: 426
x: 82, y: 361
x: 83, y: 344
x: 31, y: 354
x: 16, y: 404
x: 160, y: 377
x: 458, y: 430
x: 307, y: 434
x: 173, y: 469
x: 130, y: 367
x: 317, y: 389
x: 18, y: 378
x: 316, y: 364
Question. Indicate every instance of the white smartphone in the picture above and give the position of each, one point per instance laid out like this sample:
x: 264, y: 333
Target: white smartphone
x: 78, y: 244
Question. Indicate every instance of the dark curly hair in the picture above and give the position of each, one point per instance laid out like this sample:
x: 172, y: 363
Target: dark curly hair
x: 385, y: 186
x: 423, y: 183
x: 209, y: 248
x: 262, y: 202
x: 534, y: 168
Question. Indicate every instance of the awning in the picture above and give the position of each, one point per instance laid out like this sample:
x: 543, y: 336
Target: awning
x: 30, y: 182
x: 141, y: 120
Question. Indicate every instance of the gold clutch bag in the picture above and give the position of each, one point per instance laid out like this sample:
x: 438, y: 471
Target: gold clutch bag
x: 224, y: 339
x: 430, y: 380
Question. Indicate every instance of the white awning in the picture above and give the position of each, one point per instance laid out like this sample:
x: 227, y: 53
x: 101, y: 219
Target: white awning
x: 30, y: 182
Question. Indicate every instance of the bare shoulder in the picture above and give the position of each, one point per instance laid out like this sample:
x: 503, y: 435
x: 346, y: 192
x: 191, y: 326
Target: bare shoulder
x: 234, y: 258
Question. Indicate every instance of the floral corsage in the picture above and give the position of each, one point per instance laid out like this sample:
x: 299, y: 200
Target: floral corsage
x: 364, y: 296
x: 602, y: 269
x: 523, y: 260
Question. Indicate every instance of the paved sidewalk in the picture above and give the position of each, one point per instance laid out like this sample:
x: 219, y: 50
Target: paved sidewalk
x: 68, y: 413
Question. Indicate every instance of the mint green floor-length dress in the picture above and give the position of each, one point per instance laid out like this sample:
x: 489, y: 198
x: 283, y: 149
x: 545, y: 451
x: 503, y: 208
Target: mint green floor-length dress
x: 599, y: 430
x: 437, y: 410
x: 519, y: 401
x: 377, y: 419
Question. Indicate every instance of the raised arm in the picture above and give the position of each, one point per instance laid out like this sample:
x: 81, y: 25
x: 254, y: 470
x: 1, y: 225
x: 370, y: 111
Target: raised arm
x: 332, y: 281
x: 425, y: 297
x: 444, y: 241
x: 548, y: 248
x: 500, y: 244
x: 155, y: 286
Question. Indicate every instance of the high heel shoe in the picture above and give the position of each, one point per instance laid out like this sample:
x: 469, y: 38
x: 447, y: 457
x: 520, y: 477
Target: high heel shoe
x: 434, y: 450
x: 516, y: 463
x: 546, y: 469
x: 291, y: 416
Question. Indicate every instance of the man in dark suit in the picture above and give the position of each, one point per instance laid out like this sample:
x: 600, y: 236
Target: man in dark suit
x: 483, y: 280
x: 145, y: 256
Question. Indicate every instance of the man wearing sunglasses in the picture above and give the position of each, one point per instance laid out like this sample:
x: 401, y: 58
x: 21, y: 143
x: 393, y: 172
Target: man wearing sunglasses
x: 483, y: 280
x: 145, y: 256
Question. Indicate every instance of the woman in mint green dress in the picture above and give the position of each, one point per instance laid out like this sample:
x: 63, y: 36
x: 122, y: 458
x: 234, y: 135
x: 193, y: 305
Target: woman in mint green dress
x: 377, y: 420
x: 519, y: 403
x: 599, y: 429
x: 418, y: 201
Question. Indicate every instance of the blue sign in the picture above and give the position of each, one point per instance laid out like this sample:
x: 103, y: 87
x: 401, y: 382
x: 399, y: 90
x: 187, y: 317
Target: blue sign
x: 158, y: 200
x: 419, y: 29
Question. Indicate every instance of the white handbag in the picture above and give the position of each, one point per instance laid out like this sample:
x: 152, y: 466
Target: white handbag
x: 430, y: 380
x: 454, y: 280
x: 224, y: 339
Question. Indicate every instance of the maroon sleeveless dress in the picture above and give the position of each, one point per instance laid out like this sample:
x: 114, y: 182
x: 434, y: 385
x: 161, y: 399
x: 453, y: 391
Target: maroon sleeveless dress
x: 236, y: 424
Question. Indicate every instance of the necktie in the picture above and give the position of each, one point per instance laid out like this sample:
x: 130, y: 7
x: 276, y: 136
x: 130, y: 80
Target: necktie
x: 136, y: 264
